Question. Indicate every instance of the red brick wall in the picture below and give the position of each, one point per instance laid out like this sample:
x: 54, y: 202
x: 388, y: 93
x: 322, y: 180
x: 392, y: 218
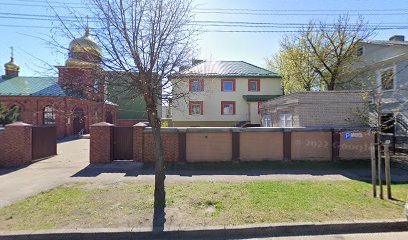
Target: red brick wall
x: 16, y: 145
x: 170, y: 147
x: 82, y: 80
x: 32, y: 111
x: 138, y: 139
x: 101, y: 147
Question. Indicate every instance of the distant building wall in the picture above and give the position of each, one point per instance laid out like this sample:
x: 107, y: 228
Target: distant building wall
x: 320, y: 109
x: 212, y: 96
x: 32, y: 111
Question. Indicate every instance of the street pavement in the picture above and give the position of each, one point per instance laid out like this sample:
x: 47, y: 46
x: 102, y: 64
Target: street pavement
x: 359, y: 236
x: 19, y: 183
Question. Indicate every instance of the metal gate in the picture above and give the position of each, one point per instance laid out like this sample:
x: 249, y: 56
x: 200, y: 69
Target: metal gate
x: 122, y: 143
x: 44, y: 141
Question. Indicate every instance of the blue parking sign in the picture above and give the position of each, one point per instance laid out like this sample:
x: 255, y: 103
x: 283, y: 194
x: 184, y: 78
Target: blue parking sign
x: 347, y: 136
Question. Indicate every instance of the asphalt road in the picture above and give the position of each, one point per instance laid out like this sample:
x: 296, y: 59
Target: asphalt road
x: 359, y: 236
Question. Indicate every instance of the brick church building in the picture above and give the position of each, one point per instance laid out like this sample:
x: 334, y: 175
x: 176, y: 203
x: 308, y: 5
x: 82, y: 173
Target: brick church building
x: 73, y: 101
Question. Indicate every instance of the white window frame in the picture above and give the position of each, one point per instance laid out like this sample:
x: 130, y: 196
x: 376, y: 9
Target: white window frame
x: 267, y: 120
x: 201, y: 109
x: 286, y: 118
x: 379, y: 80
x: 49, y: 115
x: 230, y: 108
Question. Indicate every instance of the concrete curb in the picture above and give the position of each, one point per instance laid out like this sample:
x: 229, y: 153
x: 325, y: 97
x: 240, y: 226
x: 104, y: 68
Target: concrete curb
x: 237, y: 232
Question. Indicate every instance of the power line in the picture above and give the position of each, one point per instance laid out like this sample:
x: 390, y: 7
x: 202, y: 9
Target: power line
x: 272, y: 31
x: 38, y: 15
x: 212, y: 30
x: 299, y: 10
x: 40, y: 19
x: 299, y: 14
x: 46, y: 1
x: 63, y: 5
x: 200, y: 23
x: 221, y: 24
x: 225, y: 11
x: 277, y: 23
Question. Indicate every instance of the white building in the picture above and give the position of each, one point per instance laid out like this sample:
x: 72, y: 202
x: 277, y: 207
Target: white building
x: 222, y: 94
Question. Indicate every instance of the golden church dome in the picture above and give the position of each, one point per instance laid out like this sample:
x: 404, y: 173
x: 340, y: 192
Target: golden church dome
x: 84, y: 51
x: 12, y: 65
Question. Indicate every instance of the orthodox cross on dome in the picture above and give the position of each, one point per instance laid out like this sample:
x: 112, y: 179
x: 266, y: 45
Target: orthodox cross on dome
x: 87, y: 26
x: 12, y: 52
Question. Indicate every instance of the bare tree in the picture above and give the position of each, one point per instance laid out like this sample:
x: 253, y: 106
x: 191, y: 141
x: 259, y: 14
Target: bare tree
x: 334, y: 46
x: 144, y: 41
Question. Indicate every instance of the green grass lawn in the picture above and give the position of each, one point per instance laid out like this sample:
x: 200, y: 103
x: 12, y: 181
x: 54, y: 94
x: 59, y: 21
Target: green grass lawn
x: 86, y: 205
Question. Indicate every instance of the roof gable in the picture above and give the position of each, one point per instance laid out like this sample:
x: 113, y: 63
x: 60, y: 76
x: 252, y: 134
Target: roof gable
x: 227, y: 69
x: 387, y: 43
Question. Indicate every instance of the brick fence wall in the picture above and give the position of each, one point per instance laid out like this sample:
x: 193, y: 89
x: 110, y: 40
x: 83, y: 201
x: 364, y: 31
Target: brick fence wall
x: 236, y: 144
x: 16, y: 144
x: 21, y: 143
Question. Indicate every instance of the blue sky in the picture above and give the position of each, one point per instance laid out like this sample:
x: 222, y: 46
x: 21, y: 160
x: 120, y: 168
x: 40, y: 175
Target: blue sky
x: 32, y: 53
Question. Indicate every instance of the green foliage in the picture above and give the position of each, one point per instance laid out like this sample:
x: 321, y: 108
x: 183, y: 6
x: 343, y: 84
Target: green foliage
x: 8, y: 116
x: 318, y: 57
x: 165, y: 124
x: 293, y: 63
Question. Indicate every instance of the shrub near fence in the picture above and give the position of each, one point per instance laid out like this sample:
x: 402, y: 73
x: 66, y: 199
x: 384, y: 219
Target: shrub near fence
x: 235, y: 144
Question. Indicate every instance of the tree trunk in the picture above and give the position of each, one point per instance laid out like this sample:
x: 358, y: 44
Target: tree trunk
x: 330, y: 86
x: 159, y: 217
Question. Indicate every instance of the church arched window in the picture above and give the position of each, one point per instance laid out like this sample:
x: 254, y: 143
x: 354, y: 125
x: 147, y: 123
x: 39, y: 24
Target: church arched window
x: 49, y: 115
x: 96, y: 86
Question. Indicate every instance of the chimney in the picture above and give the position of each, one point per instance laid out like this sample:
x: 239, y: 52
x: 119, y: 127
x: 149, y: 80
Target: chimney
x: 196, y: 61
x: 399, y: 38
x: 182, y: 68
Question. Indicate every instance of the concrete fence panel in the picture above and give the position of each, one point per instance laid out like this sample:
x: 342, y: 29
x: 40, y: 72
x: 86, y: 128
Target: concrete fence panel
x: 209, y: 146
x: 357, y: 147
x: 256, y: 146
x: 236, y: 144
x: 311, y: 145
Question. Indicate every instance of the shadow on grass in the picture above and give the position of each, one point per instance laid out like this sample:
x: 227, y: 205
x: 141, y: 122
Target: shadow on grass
x: 357, y: 170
